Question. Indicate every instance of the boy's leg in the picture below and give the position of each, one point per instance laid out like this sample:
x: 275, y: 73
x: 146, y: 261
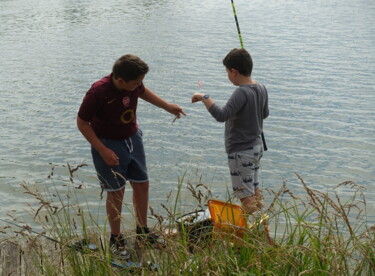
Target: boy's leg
x: 114, y: 208
x: 140, y: 202
x: 252, y: 203
x: 259, y: 197
x: 112, y: 180
x: 138, y: 178
x: 244, y: 168
x: 117, y: 241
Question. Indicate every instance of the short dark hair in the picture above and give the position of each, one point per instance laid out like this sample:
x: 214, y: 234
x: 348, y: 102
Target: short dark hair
x: 129, y: 67
x: 240, y: 60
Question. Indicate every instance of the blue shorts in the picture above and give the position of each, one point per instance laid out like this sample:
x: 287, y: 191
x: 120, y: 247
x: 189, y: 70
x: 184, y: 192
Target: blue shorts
x: 244, y: 171
x: 132, y: 165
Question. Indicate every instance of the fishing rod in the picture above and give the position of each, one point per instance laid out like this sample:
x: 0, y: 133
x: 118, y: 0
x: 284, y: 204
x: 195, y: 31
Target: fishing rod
x: 79, y: 246
x: 238, y: 26
x: 242, y: 46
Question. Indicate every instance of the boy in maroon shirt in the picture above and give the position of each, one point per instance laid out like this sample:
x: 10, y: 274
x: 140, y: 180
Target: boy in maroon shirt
x: 107, y: 119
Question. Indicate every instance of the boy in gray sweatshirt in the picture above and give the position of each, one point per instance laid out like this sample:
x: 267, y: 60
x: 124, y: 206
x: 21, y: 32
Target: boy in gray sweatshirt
x: 243, y: 115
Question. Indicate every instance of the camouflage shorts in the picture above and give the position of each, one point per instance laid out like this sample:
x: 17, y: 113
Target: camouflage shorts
x: 244, y: 171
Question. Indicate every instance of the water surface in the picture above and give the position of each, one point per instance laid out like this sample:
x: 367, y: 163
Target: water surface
x: 315, y: 57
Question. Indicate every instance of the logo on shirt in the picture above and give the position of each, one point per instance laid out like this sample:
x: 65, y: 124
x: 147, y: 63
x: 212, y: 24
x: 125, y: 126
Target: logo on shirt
x: 127, y: 117
x: 126, y: 101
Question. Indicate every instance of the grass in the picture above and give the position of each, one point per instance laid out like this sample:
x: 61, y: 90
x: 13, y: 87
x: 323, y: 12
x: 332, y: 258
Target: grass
x: 313, y: 234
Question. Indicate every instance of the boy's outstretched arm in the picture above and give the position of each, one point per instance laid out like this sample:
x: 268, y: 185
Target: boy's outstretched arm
x: 109, y: 157
x: 197, y: 97
x: 154, y: 99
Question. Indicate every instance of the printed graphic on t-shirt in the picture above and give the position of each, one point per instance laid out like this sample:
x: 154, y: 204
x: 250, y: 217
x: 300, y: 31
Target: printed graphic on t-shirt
x: 111, y: 101
x: 126, y: 101
x: 127, y: 116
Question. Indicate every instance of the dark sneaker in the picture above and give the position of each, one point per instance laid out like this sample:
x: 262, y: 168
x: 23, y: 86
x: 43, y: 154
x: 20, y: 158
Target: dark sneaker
x: 144, y: 235
x: 117, y: 246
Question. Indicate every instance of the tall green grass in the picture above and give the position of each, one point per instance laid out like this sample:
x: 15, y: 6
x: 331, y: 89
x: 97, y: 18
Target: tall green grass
x: 314, y: 233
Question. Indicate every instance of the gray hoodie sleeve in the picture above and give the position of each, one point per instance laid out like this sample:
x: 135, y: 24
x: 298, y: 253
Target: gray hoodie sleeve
x: 233, y: 105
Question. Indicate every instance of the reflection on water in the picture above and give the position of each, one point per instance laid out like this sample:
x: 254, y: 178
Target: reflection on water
x: 316, y: 60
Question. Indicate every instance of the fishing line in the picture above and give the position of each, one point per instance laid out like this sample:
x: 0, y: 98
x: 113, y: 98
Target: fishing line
x: 242, y: 46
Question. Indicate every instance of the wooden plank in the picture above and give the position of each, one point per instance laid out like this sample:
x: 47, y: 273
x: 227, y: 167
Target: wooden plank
x: 31, y: 261
x: 10, y: 259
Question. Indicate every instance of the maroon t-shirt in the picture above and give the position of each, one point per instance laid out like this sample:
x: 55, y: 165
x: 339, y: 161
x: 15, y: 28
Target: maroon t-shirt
x: 111, y: 112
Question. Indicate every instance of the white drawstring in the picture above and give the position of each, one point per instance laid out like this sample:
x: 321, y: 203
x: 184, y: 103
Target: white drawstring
x: 131, y: 145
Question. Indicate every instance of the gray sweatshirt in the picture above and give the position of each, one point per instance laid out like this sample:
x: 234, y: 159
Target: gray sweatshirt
x: 243, y: 115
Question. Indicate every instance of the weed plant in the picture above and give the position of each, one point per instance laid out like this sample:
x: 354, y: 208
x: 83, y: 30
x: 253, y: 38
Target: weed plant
x: 311, y: 234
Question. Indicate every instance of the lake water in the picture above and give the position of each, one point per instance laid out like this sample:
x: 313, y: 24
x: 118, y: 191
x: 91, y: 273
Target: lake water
x: 315, y: 57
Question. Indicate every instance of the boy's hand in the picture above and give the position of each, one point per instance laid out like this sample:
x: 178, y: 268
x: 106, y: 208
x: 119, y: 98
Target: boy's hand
x: 109, y: 157
x: 197, y: 97
x: 175, y: 110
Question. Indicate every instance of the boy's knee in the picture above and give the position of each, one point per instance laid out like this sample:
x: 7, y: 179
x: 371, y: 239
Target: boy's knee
x: 115, y: 195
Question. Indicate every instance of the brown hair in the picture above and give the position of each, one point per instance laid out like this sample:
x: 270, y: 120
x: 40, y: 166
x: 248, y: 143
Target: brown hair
x: 240, y: 60
x: 129, y: 67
